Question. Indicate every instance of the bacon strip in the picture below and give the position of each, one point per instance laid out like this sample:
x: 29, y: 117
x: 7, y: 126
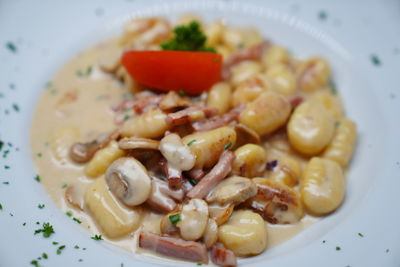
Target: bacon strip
x: 174, y: 247
x: 139, y: 104
x: 162, y: 198
x: 174, y: 176
x: 189, y: 114
x: 196, y: 174
x: 254, y: 52
x: 222, y: 256
x: 220, y: 120
x: 216, y: 175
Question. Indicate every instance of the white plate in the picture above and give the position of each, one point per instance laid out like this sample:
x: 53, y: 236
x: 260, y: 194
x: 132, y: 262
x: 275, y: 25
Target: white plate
x: 48, y: 33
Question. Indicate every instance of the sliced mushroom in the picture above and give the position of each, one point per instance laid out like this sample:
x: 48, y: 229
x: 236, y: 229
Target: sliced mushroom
x: 234, y: 190
x: 73, y: 198
x: 276, y: 202
x: 178, y: 155
x: 128, y: 180
x: 194, y: 218
x: 138, y: 143
x: 174, y: 247
x: 211, y: 234
x: 83, y: 152
x: 246, y: 135
x: 220, y: 213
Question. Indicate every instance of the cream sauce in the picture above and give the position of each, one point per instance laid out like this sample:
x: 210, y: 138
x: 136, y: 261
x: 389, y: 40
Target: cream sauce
x: 76, y: 106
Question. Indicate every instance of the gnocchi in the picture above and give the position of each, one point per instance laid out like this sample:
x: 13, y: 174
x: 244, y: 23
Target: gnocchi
x: 250, y: 161
x: 323, y: 186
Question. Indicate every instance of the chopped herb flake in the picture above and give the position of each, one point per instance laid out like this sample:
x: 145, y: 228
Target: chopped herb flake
x: 199, y: 263
x: 76, y: 220
x: 338, y: 248
x: 333, y: 87
x: 76, y: 246
x: 126, y: 117
x: 6, y: 182
x: 37, y: 178
x: 337, y: 123
x: 47, y: 230
x: 69, y: 213
x: 387, y: 250
x: 1, y: 207
x: 35, y: 263
x: 192, y: 181
x: 174, y: 218
x: 44, y: 255
x: 188, y: 38
x: 360, y: 234
x: 11, y: 46
x: 55, y: 243
x: 48, y: 84
x: 60, y: 248
x: 1, y: 144
x: 41, y: 206
x: 322, y: 15
x: 375, y: 60
x: 64, y: 186
x: 80, y: 260
x: 97, y: 237
x: 323, y: 241
x: 191, y: 142
x: 228, y: 145
x: 15, y: 107
x: 24, y: 224
x: 6, y: 167
x: 39, y: 155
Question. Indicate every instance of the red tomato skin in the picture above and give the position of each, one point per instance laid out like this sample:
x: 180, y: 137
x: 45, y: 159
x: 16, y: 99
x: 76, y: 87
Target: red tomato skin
x: 193, y: 72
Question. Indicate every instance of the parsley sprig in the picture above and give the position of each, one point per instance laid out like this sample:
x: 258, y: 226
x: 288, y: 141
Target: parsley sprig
x: 47, y: 230
x: 188, y: 38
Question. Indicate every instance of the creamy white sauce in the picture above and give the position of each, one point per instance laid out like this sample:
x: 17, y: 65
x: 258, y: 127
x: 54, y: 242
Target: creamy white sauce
x: 79, y: 107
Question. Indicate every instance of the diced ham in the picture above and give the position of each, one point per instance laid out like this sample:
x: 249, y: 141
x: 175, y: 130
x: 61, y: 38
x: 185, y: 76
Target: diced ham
x: 174, y: 247
x: 216, y: 175
x: 140, y: 104
x: 254, y: 52
x: 220, y: 120
x: 222, y: 256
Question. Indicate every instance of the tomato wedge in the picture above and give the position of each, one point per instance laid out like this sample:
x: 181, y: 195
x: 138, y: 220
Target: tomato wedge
x: 192, y: 72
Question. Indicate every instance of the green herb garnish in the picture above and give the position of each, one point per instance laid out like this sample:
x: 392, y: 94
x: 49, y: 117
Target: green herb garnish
x: 41, y: 206
x: 181, y: 92
x: 175, y: 218
x: 39, y: 155
x: 37, y: 178
x: 1, y: 144
x: 69, y: 213
x: 333, y: 87
x: 338, y: 248
x: 60, y: 248
x: 360, y: 234
x: 6, y: 167
x: 97, y: 237
x: 55, y: 243
x: 228, y: 145
x: 191, y: 142
x: 44, y: 255
x: 15, y: 107
x: 35, y: 263
x: 64, y: 186
x: 11, y: 46
x: 1, y: 207
x: 322, y: 15
x: 24, y: 224
x: 47, y: 230
x: 6, y: 182
x: 76, y: 220
x: 375, y: 60
x: 188, y: 38
x: 192, y: 181
x: 199, y: 263
x: 76, y: 246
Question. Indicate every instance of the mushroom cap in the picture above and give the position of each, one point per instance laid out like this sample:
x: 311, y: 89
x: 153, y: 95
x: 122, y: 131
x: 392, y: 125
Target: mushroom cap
x: 129, y: 181
x: 177, y: 153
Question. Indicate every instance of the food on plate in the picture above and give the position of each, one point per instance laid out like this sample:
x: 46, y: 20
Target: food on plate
x: 196, y: 141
